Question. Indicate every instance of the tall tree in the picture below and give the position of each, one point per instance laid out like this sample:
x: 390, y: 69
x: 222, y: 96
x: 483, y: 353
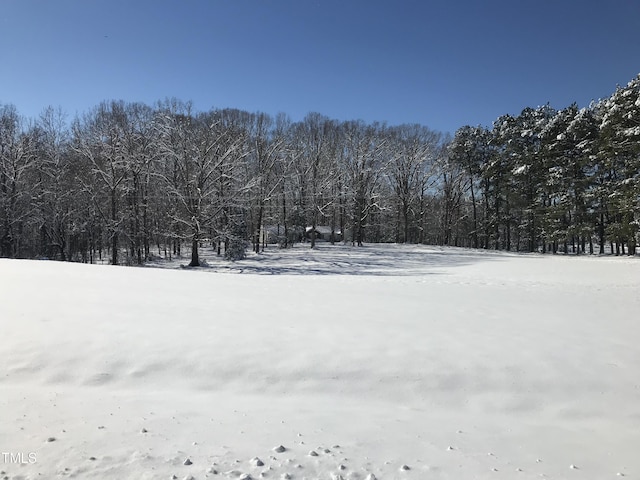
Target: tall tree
x: 17, y: 159
x: 267, y: 139
x: 57, y: 200
x: 99, y: 140
x: 194, y: 148
x: 470, y: 149
x: 312, y: 137
x: 363, y: 162
x: 620, y: 147
x: 411, y: 154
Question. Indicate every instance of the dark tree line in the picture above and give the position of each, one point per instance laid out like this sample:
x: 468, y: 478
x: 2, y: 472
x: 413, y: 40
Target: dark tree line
x: 127, y: 182
x: 555, y: 180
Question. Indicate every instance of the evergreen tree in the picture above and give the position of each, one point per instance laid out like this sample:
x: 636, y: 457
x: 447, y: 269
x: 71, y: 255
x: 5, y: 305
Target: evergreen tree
x: 620, y: 154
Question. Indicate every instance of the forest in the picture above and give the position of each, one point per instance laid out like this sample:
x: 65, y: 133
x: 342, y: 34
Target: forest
x: 128, y: 182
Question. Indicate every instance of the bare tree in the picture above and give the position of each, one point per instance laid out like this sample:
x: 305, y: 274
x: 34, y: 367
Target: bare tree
x: 99, y: 139
x: 267, y: 142
x: 313, y: 137
x: 363, y: 163
x: 17, y: 159
x: 412, y: 150
x: 57, y: 200
x: 195, y: 147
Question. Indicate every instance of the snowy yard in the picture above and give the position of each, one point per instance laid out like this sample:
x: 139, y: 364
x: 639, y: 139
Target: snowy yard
x: 386, y: 361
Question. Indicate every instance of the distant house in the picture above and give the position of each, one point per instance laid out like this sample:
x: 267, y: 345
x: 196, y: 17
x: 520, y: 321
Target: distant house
x: 323, y: 233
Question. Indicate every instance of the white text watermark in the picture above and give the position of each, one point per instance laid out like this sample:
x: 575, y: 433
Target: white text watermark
x: 20, y: 458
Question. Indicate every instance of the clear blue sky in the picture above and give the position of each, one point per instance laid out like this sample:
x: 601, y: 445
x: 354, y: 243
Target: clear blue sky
x: 440, y: 63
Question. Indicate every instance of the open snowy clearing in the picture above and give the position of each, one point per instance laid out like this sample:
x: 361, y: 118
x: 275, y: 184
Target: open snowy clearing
x: 386, y: 361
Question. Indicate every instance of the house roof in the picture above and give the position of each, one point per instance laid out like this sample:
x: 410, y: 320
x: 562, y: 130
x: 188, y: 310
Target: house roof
x: 324, y: 230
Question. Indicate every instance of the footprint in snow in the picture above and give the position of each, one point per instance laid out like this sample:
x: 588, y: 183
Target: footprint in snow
x: 236, y: 474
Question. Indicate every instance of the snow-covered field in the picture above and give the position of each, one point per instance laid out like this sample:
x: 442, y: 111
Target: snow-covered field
x: 389, y: 362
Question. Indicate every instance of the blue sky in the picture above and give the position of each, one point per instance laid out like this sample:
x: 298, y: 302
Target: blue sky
x: 440, y: 63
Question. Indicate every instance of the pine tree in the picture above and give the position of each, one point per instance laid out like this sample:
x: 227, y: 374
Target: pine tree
x: 620, y: 130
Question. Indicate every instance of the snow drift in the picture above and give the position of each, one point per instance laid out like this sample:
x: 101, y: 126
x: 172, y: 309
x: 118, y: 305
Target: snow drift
x: 379, y: 362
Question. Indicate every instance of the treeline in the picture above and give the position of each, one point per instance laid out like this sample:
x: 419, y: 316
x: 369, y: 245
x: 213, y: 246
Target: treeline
x: 128, y: 181
x: 555, y: 180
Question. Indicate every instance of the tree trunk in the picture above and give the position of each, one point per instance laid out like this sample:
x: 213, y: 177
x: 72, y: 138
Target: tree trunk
x: 475, y: 214
x: 195, y: 259
x: 258, y: 228
x: 285, y: 244
x: 405, y: 218
x: 601, y: 233
x: 114, y: 233
x: 313, y: 231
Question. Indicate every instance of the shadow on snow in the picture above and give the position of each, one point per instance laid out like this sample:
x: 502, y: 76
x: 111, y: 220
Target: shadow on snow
x: 373, y: 260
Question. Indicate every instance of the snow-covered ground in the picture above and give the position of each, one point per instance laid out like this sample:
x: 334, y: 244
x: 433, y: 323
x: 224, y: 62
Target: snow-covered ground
x: 385, y: 361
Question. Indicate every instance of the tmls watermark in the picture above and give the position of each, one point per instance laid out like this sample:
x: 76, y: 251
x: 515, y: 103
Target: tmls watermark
x: 20, y: 458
